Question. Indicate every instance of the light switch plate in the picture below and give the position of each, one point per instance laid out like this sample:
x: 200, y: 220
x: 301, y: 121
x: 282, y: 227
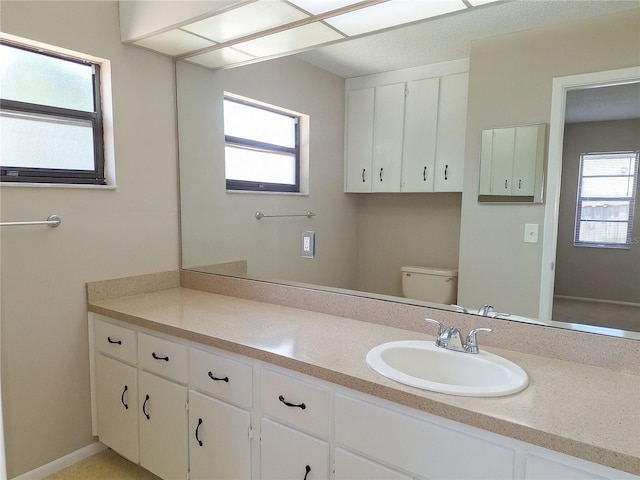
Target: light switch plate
x: 308, y: 244
x: 531, y: 233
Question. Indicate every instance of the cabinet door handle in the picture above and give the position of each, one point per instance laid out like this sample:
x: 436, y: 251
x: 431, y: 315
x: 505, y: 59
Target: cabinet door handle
x: 307, y: 469
x: 144, y: 407
x: 153, y: 354
x: 506, y: 182
x: 111, y: 340
x: 520, y: 184
x: 446, y: 172
x: 381, y: 173
x: 301, y: 406
x: 424, y: 174
x: 197, y: 431
x: 126, y: 407
x: 363, y: 170
x: 225, y: 379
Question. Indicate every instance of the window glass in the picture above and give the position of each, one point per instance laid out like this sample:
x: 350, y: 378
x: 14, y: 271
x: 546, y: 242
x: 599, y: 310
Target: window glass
x: 606, y: 200
x: 50, y: 117
x: 262, y: 151
x: 31, y: 77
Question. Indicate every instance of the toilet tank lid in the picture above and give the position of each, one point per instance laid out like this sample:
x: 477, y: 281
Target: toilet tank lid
x: 443, y: 272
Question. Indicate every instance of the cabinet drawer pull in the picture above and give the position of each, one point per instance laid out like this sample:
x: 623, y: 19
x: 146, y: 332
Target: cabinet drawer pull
x: 381, y: 169
x: 307, y: 470
x: 111, y: 340
x: 126, y: 407
x: 424, y: 174
x: 446, y: 172
x: 363, y: 170
x: 197, y: 430
x: 153, y: 354
x: 144, y: 407
x: 225, y: 379
x: 301, y: 406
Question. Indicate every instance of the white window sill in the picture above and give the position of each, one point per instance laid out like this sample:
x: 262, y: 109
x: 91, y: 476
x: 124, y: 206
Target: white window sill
x: 58, y: 185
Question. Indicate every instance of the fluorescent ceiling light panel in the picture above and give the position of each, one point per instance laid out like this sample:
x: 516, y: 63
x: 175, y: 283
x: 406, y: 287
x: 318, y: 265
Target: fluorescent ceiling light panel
x: 392, y: 13
x: 290, y: 40
x: 221, y: 58
x: 174, y: 42
x: 316, y: 7
x: 249, y: 19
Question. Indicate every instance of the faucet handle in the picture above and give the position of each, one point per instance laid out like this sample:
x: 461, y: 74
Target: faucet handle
x: 436, y: 322
x: 472, y: 341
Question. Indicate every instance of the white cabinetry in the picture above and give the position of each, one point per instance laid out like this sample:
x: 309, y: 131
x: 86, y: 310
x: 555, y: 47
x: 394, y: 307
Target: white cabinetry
x: 405, y: 130
x: 306, y: 428
x: 511, y: 160
x: 117, y: 405
x: 349, y: 466
x: 290, y: 407
x: 220, y: 428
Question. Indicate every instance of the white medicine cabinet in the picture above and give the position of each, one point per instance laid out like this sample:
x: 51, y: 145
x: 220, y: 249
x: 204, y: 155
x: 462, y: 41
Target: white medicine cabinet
x: 405, y: 130
x: 511, y: 164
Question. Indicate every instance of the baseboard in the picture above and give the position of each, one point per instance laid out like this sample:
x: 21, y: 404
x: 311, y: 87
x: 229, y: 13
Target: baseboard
x: 62, y: 462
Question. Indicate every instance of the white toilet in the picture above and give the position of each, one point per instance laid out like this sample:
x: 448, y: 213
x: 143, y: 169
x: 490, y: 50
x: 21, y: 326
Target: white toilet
x: 435, y: 285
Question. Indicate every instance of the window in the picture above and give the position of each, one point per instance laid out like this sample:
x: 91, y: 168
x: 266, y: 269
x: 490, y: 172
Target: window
x: 607, y: 185
x: 50, y: 117
x: 262, y: 147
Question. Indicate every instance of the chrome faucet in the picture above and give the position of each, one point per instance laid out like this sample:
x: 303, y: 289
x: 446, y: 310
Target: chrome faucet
x: 450, y: 338
x: 485, y: 310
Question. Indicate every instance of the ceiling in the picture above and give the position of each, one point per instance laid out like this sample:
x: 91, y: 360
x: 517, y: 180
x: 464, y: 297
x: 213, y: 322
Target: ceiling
x: 449, y: 37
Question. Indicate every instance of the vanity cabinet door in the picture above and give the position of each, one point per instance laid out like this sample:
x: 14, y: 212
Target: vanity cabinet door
x: 451, y: 136
x: 359, y: 140
x: 388, y: 129
x: 117, y: 406
x: 421, y: 123
x: 219, y: 443
x: 287, y: 454
x: 162, y: 426
x: 349, y: 466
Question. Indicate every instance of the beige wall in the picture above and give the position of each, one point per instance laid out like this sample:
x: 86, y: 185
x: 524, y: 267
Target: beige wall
x: 104, y: 234
x: 397, y: 229
x: 510, y: 83
x: 601, y: 273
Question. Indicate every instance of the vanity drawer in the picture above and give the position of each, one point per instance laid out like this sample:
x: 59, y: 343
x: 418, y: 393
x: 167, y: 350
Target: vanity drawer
x: 420, y: 447
x: 222, y: 377
x: 115, y: 341
x: 163, y: 357
x: 295, y: 402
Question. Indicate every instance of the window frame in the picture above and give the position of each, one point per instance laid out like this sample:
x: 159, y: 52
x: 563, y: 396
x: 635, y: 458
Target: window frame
x: 96, y: 176
x: 581, y: 199
x: 245, y: 143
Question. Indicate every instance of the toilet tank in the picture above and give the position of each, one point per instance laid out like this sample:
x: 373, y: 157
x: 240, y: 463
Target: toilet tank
x: 435, y: 285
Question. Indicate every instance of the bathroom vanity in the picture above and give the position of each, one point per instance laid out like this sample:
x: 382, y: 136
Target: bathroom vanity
x: 186, y: 381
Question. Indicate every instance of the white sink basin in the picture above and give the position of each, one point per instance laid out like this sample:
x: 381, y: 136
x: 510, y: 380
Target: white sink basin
x: 423, y: 365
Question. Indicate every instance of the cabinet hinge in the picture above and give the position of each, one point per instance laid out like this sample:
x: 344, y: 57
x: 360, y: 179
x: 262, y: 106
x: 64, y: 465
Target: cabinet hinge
x: 406, y: 92
x: 333, y: 472
x: 250, y: 433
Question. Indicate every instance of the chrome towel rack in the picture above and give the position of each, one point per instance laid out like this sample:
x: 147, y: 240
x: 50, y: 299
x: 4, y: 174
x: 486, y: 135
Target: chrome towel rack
x: 52, y: 220
x: 309, y: 214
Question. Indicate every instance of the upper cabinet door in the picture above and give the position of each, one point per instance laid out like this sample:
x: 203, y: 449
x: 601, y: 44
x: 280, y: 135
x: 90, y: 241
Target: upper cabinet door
x: 388, y: 128
x: 421, y: 123
x: 450, y: 142
x: 502, y: 161
x: 359, y: 140
x: 529, y: 144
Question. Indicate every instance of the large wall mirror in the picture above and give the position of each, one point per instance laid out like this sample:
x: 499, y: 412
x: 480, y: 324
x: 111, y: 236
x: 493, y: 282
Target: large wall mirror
x: 363, y: 240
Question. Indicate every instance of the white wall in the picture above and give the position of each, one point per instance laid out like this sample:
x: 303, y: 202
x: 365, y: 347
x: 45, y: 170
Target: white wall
x: 510, y: 82
x: 104, y: 234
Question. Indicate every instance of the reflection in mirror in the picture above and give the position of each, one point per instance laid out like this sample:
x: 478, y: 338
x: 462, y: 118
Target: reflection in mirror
x: 362, y: 240
x: 512, y: 164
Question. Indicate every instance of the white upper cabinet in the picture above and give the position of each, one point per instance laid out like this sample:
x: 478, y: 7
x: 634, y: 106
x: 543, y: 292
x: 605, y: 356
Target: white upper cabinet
x: 511, y: 162
x: 405, y: 130
x: 419, y: 149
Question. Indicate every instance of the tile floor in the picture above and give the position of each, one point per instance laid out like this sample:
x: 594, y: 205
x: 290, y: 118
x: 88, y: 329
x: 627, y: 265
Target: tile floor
x: 106, y: 465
